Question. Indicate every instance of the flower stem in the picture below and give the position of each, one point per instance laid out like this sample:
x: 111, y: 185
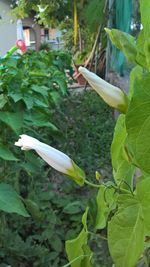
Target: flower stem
x: 91, y: 184
x: 113, y: 186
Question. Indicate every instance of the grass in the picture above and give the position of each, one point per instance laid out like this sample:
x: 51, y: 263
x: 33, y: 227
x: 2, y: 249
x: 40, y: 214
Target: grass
x: 86, y: 126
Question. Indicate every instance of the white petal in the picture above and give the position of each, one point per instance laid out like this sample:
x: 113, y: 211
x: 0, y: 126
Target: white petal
x: 26, y: 142
x: 55, y: 158
x: 111, y: 94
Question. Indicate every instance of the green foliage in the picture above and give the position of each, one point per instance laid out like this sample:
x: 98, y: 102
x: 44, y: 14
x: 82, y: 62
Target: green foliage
x: 134, y: 51
x: 27, y: 85
x: 10, y: 200
x: 105, y: 200
x: 125, y: 42
x: 77, y: 249
x: 31, y: 86
x: 122, y: 169
x: 95, y: 7
x: 130, y: 225
x: 145, y: 19
x: 55, y: 203
x: 47, y: 12
x: 123, y: 206
x: 138, y: 122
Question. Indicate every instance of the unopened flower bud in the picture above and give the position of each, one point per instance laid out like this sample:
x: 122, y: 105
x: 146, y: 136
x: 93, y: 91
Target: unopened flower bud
x: 55, y: 158
x: 111, y: 94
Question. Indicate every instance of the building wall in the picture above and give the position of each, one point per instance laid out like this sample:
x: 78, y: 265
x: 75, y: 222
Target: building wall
x: 8, y: 28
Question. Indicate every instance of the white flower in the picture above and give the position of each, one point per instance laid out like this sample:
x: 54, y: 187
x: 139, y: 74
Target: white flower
x: 112, y: 95
x: 55, y: 158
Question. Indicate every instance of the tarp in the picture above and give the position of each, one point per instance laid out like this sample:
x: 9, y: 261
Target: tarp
x: 123, y: 13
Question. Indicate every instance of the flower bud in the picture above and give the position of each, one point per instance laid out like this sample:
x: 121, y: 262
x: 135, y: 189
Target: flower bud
x: 112, y: 95
x: 55, y: 158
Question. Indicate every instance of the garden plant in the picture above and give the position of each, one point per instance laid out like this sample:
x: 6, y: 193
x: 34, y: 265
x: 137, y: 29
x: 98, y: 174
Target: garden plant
x: 122, y: 205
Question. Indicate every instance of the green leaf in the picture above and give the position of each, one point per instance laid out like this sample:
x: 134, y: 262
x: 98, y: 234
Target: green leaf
x: 134, y: 74
x: 145, y: 18
x: 147, y: 52
x: 40, y: 89
x: 33, y: 209
x: 73, y: 208
x: 125, y: 42
x: 40, y: 103
x: 55, y: 96
x: 62, y: 84
x: 77, y: 249
x: 16, y: 96
x: 122, y: 168
x: 13, y: 120
x: 138, y: 122
x: 39, y: 119
x: 29, y: 101
x: 56, y: 243
x: 105, y: 203
x: 6, y: 154
x: 3, y: 100
x: 129, y: 226
x: 141, y: 56
x: 32, y: 165
x: 10, y: 200
x: 142, y: 192
x: 126, y: 233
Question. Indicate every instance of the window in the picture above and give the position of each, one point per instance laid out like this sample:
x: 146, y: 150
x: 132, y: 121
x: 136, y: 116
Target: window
x: 46, y: 34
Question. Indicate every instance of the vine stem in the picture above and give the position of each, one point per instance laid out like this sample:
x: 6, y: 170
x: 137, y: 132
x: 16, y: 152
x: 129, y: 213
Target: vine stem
x: 91, y: 184
x: 113, y: 186
x: 69, y: 263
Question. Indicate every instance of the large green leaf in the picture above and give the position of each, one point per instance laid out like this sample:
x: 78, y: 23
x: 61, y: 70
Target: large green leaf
x: 105, y: 203
x: 78, y: 252
x: 145, y: 17
x: 10, y: 200
x: 125, y: 42
x: 138, y: 122
x: 6, y: 154
x: 129, y: 226
x: 13, y: 120
x: 122, y: 167
x: 134, y: 74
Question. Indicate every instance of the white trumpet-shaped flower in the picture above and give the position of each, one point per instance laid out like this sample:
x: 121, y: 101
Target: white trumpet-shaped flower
x: 112, y: 95
x: 55, y: 158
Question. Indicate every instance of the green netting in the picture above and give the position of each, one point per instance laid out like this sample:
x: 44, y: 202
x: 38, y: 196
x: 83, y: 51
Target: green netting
x: 123, y: 12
